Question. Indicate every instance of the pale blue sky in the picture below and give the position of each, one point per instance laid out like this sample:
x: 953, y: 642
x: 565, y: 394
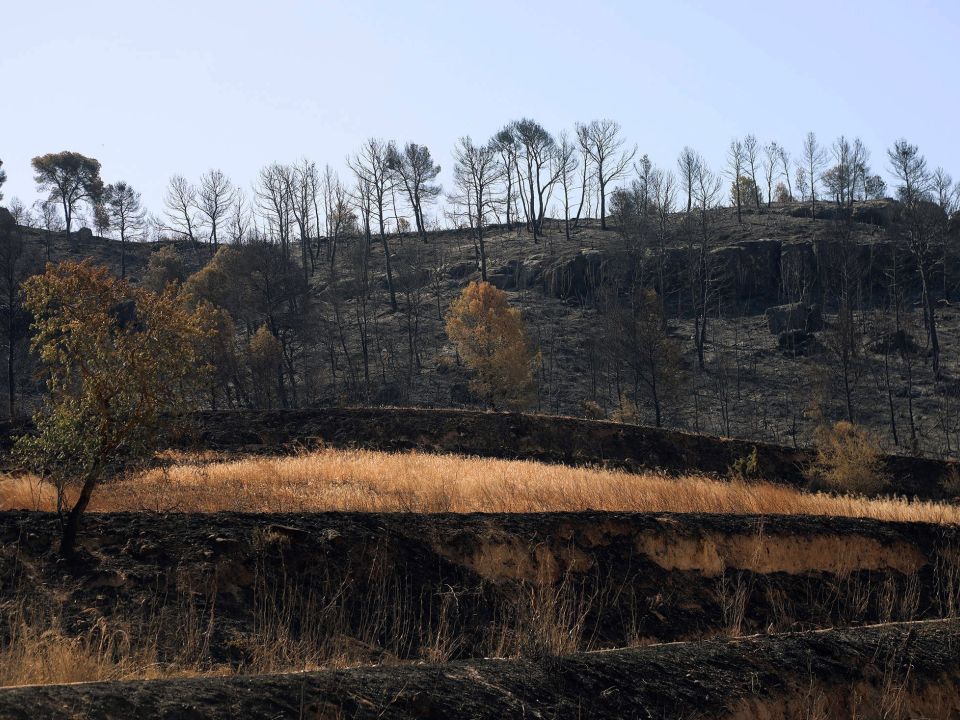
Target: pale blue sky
x: 156, y: 88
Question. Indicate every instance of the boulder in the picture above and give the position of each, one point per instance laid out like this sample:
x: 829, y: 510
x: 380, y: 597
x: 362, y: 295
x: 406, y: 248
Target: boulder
x: 516, y: 274
x: 458, y: 271
x: 899, y: 341
x: 85, y: 234
x: 794, y: 317
x: 796, y: 343
x: 503, y: 282
x: 410, y: 278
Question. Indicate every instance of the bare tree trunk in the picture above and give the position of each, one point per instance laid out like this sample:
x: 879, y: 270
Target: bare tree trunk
x: 11, y: 374
x: 603, y: 203
x: 893, y: 415
x: 931, y: 321
x: 68, y: 537
x: 386, y: 255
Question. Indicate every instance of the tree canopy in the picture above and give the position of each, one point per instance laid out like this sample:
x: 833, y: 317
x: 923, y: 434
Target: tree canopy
x: 69, y: 178
x: 115, y: 359
x: 492, y: 340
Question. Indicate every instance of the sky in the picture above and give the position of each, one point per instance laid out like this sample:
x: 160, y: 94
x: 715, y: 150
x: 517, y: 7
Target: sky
x: 151, y: 89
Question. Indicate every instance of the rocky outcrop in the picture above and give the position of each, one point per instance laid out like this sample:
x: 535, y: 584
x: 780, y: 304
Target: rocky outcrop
x: 747, y: 276
x: 517, y: 274
x: 798, y: 270
x: 749, y: 271
x: 794, y: 317
x: 578, y: 276
x: 458, y: 271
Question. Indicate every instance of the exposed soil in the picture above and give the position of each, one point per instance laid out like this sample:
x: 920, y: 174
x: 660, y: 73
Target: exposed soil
x: 898, y: 670
x: 399, y: 586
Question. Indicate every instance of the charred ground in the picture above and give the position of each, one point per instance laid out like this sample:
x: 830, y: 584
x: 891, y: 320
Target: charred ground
x: 755, y: 384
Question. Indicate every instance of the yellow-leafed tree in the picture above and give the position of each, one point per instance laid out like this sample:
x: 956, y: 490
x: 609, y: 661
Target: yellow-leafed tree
x: 491, y: 338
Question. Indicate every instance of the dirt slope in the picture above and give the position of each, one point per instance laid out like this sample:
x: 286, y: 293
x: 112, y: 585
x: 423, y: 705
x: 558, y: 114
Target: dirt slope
x: 899, y: 670
x: 397, y: 586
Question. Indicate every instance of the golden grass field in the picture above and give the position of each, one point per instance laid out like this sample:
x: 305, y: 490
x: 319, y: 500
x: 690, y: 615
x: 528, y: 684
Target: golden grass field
x: 363, y: 480
x: 36, y: 649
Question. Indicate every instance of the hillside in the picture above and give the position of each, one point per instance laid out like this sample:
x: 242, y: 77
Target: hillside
x: 575, y: 297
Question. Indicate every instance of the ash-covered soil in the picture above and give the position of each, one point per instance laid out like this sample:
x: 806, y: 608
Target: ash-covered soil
x: 897, y: 670
x: 750, y: 387
x: 361, y: 587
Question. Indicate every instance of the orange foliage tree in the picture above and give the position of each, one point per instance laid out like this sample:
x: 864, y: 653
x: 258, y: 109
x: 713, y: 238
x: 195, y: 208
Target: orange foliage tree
x: 492, y: 340
x: 115, y: 358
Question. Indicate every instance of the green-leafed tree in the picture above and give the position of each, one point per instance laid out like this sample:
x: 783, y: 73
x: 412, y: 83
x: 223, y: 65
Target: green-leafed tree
x: 116, y: 358
x: 70, y: 178
x: 745, y: 189
x: 163, y: 267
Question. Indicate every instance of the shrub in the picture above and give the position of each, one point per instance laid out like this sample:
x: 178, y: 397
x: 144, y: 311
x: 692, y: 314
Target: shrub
x: 746, y: 467
x: 163, y: 267
x: 591, y: 409
x: 951, y: 483
x: 848, y: 460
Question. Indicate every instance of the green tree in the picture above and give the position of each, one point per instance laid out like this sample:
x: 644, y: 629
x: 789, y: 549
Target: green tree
x: 848, y: 460
x: 3, y: 177
x: 115, y: 358
x: 492, y: 340
x: 69, y: 178
x: 744, y: 188
x: 163, y: 267
x: 416, y: 171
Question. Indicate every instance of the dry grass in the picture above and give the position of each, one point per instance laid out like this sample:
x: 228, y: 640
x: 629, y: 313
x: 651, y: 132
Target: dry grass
x: 297, y: 629
x: 37, y: 651
x: 362, y: 480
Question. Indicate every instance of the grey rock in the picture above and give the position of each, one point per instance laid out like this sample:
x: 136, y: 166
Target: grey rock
x: 794, y: 317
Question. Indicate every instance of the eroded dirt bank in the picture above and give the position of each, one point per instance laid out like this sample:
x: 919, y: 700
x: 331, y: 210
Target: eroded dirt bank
x: 892, y: 671
x: 348, y: 587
